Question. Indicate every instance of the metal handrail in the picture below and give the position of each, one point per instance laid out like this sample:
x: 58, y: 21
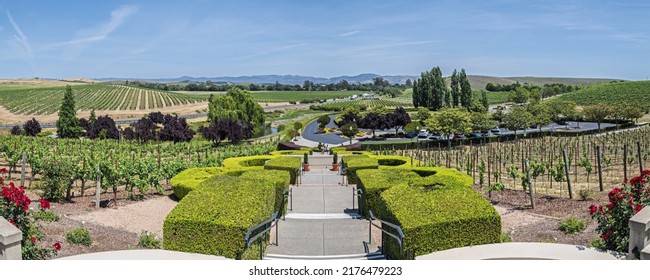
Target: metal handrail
x: 356, y: 193
x: 287, y: 193
x: 399, y: 239
x: 249, y: 240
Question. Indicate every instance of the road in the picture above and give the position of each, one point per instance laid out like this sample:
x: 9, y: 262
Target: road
x: 310, y: 130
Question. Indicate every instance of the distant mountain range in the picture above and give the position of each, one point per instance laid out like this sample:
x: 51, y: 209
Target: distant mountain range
x: 477, y: 82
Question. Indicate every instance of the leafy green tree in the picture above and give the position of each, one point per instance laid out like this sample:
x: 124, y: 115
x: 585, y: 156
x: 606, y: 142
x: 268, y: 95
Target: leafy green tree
x: 484, y: 99
x: 448, y: 121
x: 412, y: 127
x: 430, y: 90
x: 323, y: 121
x: 93, y: 118
x: 67, y: 126
x: 422, y: 115
x: 465, y: 90
x: 482, y: 121
x: 632, y: 112
x: 237, y: 104
x: 519, y: 95
x: 350, y: 130
x: 561, y: 109
x: 516, y: 118
x: 541, y: 114
x: 597, y: 113
x: 455, y: 89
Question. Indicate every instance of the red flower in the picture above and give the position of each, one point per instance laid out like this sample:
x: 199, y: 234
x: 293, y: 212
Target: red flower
x: 636, y: 180
x: 57, y: 246
x: 625, y: 181
x: 593, y: 209
x: 638, y: 208
x: 45, y: 204
x: 12, y: 222
x: 606, y: 235
x: 33, y: 239
x: 610, y: 205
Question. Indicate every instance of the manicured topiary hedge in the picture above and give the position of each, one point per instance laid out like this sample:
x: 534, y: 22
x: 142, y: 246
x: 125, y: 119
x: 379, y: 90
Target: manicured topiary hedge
x: 286, y: 163
x: 188, y: 179
x: 395, y: 161
x: 436, y: 211
x: 214, y: 218
x: 354, y: 163
x: 250, y: 161
x: 278, y: 178
x: 293, y: 152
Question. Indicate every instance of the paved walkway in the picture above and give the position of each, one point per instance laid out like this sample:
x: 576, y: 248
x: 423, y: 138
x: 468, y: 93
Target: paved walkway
x: 323, y: 221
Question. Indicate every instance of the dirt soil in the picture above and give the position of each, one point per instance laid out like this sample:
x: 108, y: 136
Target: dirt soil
x: 524, y: 224
x: 111, y: 227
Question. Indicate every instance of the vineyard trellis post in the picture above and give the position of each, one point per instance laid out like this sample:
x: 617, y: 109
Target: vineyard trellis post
x: 531, y: 188
x: 600, y: 169
x: 566, y: 171
x: 638, y: 153
x: 22, y: 169
x: 625, y: 162
x: 98, y: 189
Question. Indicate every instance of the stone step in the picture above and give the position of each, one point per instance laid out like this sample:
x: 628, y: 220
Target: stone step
x: 367, y: 256
x: 322, y: 216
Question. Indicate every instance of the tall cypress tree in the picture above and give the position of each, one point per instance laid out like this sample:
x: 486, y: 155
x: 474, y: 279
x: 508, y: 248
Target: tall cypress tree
x: 484, y: 99
x: 465, y: 90
x: 67, y: 126
x: 438, y: 89
x: 455, y: 91
x: 416, y: 94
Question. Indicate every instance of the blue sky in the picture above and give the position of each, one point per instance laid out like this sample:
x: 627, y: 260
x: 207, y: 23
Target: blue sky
x: 155, y: 39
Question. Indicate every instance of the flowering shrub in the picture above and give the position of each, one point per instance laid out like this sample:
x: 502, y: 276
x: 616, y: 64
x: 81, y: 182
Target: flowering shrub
x: 624, y: 202
x: 14, y: 206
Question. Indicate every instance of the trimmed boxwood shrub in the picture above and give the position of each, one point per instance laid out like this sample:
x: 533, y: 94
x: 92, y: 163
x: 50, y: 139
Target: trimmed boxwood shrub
x: 188, y: 179
x: 440, y: 218
x: 291, y: 152
x: 395, y: 161
x: 286, y: 163
x: 437, y: 211
x: 214, y: 218
x: 238, y: 162
x: 280, y: 180
x: 355, y: 163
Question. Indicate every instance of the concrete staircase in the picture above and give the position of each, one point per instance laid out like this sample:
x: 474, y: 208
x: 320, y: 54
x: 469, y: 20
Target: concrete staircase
x: 323, y: 223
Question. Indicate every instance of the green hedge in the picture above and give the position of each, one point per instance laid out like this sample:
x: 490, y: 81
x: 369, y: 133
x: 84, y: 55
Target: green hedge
x: 278, y: 178
x: 250, y: 161
x: 355, y: 163
x: 214, y: 218
x: 395, y: 161
x: 286, y: 163
x: 437, y: 211
x: 188, y: 179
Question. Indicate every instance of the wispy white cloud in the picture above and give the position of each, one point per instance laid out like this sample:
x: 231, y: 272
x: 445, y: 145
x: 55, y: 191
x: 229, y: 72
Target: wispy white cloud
x: 118, y: 18
x: 346, y: 34
x: 270, y: 51
x: 20, y: 37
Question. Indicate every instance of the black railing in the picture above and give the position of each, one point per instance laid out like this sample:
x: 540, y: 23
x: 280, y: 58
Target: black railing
x: 399, y: 237
x: 288, y: 196
x: 266, y: 224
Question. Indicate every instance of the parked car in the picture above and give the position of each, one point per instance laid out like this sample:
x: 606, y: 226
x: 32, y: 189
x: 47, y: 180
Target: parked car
x: 459, y: 136
x: 475, y: 135
x: 423, y: 133
x: 488, y: 134
x: 436, y: 136
x: 496, y: 131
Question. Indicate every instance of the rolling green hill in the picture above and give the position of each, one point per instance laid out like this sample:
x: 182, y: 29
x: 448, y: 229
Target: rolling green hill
x: 47, y: 100
x: 612, y: 93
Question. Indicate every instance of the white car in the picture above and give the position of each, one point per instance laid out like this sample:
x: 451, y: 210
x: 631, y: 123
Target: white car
x: 423, y: 133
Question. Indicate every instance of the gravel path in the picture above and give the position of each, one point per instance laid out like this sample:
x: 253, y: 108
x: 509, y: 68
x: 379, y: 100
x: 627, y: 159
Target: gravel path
x: 147, y: 215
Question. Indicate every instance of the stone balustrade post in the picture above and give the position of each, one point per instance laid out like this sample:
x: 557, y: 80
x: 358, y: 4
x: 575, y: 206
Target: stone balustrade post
x: 10, y: 238
x: 640, y: 235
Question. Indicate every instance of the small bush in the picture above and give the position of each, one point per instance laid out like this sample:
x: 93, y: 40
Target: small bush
x: 46, y: 216
x: 584, y: 194
x: 572, y: 225
x: 79, y: 236
x: 598, y: 243
x: 149, y: 241
x: 505, y: 238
